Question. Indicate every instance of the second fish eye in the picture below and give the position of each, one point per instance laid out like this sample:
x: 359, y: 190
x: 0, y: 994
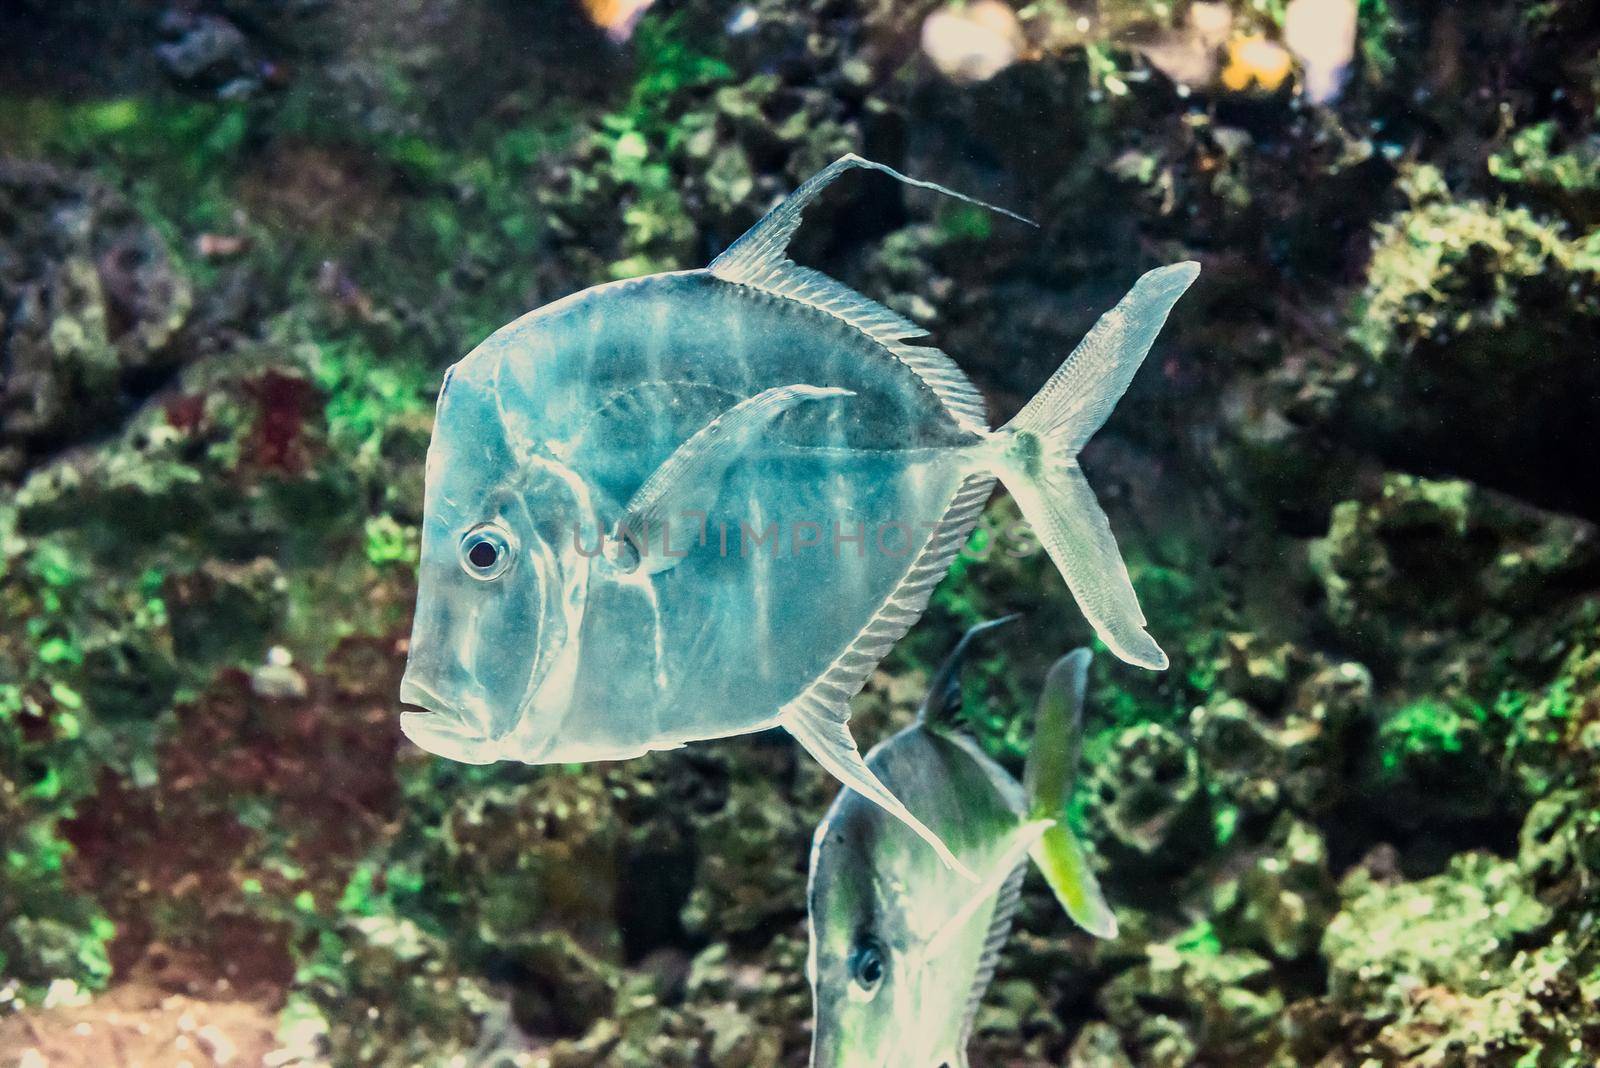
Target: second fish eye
x: 866, y: 966
x: 485, y: 551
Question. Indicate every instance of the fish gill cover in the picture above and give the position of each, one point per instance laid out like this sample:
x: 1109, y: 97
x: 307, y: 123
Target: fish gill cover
x: 1354, y: 822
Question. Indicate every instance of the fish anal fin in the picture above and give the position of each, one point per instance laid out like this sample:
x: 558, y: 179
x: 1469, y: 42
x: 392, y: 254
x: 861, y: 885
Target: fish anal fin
x: 1001, y: 872
x: 825, y: 733
x: 818, y: 716
x: 830, y: 692
x: 1005, y: 910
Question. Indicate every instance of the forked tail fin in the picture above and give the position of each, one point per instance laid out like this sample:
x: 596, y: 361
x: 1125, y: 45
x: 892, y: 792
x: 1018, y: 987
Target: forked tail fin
x: 1052, y: 767
x: 1038, y: 460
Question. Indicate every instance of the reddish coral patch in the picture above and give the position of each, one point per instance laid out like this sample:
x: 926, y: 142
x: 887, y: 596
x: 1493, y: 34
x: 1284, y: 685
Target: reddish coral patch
x: 283, y: 405
x: 258, y: 800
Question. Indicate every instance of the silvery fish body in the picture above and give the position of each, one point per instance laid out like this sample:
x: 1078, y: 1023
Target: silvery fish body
x: 632, y: 370
x: 879, y: 898
x: 902, y: 948
x: 706, y: 503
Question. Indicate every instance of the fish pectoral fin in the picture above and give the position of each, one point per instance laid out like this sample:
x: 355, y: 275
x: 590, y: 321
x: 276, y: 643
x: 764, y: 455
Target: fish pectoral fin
x: 1027, y: 836
x: 824, y: 732
x: 1061, y: 860
x: 687, y: 484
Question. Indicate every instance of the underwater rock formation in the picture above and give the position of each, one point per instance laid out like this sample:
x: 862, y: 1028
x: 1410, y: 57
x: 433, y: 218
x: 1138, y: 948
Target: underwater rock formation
x: 1149, y: 800
x: 92, y: 301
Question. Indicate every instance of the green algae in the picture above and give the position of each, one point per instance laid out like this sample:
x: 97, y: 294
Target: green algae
x: 1426, y: 729
x: 1531, y: 159
x: 1380, y: 36
x: 1447, y: 266
x: 1448, y: 930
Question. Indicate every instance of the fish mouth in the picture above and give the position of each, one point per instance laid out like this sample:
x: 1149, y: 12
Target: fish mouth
x: 443, y: 737
x: 437, y: 726
x: 417, y: 700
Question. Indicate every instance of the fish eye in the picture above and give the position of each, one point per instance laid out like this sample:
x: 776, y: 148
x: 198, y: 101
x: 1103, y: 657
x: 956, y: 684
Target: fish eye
x: 486, y: 551
x: 867, y: 966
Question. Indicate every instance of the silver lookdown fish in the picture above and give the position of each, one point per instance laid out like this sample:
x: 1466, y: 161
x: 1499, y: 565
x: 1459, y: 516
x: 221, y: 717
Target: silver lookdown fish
x: 706, y: 503
x: 902, y: 949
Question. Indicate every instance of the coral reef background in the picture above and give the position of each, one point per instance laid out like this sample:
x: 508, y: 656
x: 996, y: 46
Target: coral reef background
x: 1358, y: 821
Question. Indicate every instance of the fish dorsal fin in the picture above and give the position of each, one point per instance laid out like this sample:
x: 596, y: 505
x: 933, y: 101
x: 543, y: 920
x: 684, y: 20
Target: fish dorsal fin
x: 760, y: 259
x: 760, y: 252
x: 1005, y: 910
x: 943, y: 703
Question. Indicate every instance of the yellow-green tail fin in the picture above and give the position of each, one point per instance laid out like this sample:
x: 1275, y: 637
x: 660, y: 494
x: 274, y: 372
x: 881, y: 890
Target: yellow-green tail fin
x: 1052, y: 765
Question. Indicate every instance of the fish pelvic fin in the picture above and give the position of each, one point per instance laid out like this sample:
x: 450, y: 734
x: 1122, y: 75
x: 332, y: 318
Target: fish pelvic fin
x: 759, y: 259
x: 942, y: 706
x: 1048, y: 780
x: 825, y: 734
x: 689, y: 481
x: 1037, y: 459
